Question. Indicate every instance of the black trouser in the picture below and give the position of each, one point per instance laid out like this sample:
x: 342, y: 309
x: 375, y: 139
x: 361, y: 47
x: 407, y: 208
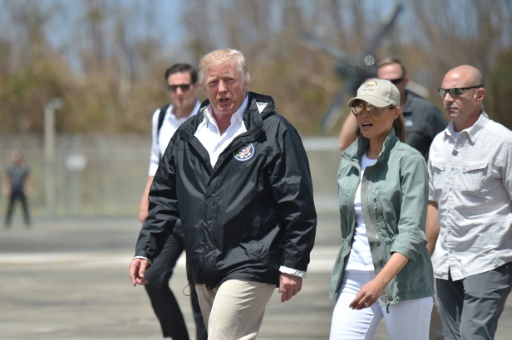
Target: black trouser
x: 13, y: 197
x: 162, y: 298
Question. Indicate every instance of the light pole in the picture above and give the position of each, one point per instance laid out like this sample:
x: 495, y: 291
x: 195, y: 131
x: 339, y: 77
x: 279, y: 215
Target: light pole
x: 49, y: 153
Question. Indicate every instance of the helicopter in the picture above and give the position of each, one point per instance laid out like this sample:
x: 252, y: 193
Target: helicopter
x: 353, y: 69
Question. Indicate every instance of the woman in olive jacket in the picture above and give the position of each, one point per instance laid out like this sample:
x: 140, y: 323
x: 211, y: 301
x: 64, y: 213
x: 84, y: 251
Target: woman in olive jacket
x: 383, y: 269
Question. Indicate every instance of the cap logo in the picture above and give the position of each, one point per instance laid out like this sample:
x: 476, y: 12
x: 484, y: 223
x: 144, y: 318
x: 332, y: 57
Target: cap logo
x: 244, y: 153
x: 370, y: 85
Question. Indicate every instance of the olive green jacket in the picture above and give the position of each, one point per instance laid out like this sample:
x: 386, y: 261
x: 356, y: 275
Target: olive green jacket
x: 394, y: 195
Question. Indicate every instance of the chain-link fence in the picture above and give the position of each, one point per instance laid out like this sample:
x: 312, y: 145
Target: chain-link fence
x: 105, y: 175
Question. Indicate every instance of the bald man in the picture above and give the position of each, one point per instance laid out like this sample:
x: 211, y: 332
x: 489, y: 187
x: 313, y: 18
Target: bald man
x: 470, y: 208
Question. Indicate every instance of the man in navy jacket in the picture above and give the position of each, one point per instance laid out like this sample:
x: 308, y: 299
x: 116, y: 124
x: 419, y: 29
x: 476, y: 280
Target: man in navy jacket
x: 238, y: 177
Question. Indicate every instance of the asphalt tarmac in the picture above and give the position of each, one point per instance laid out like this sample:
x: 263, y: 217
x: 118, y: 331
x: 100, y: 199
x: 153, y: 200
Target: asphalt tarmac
x: 68, y: 279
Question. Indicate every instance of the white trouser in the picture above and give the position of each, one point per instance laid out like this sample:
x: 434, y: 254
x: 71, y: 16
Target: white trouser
x: 407, y: 320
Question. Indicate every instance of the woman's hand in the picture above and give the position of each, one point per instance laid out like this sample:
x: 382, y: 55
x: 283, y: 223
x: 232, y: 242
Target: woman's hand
x: 371, y: 291
x: 368, y: 294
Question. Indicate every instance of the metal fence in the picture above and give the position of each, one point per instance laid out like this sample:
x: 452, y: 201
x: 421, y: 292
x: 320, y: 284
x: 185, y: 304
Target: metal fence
x: 105, y: 175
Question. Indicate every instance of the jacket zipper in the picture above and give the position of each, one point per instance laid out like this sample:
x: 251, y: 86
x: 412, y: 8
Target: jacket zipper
x: 374, y: 229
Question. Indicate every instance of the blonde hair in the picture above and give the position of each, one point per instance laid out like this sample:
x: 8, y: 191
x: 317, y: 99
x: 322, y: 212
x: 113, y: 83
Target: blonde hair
x: 221, y: 56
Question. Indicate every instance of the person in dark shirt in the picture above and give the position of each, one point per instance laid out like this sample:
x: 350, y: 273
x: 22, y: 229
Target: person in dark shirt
x: 17, y: 186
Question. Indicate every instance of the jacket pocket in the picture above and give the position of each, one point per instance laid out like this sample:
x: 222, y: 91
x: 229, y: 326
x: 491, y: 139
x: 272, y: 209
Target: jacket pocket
x: 412, y: 278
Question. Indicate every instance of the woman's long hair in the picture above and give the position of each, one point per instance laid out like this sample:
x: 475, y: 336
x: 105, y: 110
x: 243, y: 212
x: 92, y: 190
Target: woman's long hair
x: 399, y: 126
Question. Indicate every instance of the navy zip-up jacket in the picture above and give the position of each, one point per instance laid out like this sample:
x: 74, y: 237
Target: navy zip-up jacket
x: 247, y: 216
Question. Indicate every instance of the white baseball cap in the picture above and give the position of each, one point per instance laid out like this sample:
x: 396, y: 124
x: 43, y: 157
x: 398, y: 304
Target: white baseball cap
x: 378, y: 92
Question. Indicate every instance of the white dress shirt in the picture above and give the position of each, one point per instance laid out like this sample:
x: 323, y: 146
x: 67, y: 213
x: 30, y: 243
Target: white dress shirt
x: 471, y: 179
x: 159, y: 141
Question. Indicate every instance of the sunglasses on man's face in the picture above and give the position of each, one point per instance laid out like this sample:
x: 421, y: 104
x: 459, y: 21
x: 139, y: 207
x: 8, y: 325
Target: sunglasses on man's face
x: 456, y: 92
x: 396, y: 81
x: 174, y: 88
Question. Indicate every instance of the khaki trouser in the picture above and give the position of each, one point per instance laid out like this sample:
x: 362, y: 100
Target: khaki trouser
x: 235, y: 309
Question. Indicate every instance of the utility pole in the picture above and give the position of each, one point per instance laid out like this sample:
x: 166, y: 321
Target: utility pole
x: 49, y: 153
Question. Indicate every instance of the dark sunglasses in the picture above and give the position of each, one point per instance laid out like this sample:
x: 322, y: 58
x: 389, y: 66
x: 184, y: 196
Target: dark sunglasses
x: 396, y: 81
x: 456, y: 92
x: 174, y: 88
x: 374, y: 111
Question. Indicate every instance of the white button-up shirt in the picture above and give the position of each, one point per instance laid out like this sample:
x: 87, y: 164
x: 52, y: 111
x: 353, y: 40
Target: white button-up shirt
x: 159, y: 141
x: 471, y: 179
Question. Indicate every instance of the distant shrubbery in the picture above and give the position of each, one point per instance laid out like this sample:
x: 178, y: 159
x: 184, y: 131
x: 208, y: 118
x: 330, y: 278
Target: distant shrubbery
x: 105, y: 59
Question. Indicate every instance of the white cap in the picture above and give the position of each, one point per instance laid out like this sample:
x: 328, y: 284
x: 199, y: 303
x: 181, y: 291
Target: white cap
x: 378, y: 92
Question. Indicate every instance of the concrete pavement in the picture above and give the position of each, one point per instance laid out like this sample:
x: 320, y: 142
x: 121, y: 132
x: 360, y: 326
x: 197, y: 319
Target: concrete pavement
x: 68, y: 279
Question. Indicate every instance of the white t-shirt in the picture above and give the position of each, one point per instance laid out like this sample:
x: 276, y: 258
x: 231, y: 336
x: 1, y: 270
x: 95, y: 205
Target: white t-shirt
x: 360, y: 258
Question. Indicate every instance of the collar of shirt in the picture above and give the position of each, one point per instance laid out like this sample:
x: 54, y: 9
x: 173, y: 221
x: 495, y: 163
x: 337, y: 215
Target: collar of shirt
x: 209, y: 135
x: 472, y: 132
x: 237, y: 117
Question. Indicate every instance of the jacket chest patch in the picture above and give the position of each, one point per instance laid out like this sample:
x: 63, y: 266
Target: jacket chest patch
x: 244, y: 153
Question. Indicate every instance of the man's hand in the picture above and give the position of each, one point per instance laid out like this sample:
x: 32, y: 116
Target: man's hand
x: 138, y: 268
x: 289, y: 286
